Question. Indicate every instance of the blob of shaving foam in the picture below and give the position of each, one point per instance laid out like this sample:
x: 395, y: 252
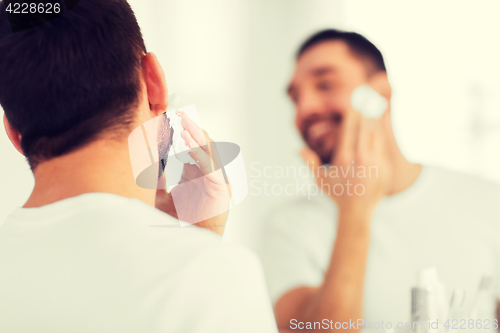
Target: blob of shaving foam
x: 369, y: 102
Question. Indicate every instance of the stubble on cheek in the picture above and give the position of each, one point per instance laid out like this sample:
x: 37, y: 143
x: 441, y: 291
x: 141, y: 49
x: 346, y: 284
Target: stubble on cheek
x: 165, y: 136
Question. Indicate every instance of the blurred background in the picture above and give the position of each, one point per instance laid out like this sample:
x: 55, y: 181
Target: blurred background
x: 234, y: 58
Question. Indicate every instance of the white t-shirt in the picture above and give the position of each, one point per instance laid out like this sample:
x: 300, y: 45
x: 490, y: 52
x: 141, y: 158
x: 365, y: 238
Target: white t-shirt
x: 104, y: 263
x: 445, y: 219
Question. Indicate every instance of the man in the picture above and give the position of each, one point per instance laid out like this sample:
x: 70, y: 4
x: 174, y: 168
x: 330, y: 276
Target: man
x: 354, y: 252
x: 82, y: 255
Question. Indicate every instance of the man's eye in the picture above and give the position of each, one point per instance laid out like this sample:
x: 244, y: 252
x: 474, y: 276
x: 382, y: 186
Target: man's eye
x: 325, y: 85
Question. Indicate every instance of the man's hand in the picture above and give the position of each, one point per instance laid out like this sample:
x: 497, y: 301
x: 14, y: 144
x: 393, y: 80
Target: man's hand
x: 340, y: 296
x: 362, y: 149
x: 202, y: 195
x: 359, y: 174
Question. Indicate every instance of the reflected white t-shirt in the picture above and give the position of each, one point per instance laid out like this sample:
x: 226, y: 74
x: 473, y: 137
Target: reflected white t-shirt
x: 104, y: 263
x: 445, y: 219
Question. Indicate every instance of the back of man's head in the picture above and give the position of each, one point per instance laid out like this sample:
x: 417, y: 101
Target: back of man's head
x: 66, y: 82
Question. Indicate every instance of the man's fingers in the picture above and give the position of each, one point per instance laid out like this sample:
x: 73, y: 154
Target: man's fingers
x: 348, y: 137
x: 378, y: 138
x: 213, y: 151
x: 366, y: 137
x: 202, y: 159
x: 362, y: 137
x: 203, y: 149
x: 310, y: 157
x: 207, y: 137
x: 188, y: 138
x: 194, y: 130
x: 312, y: 160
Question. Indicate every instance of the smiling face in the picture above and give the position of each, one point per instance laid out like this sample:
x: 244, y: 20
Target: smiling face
x: 325, y: 76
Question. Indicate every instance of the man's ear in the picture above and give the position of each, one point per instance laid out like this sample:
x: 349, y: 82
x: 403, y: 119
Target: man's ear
x: 380, y: 82
x: 13, y: 135
x: 155, y: 84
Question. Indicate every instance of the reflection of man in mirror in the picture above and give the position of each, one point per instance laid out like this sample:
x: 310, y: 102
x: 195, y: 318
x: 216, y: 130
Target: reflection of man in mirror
x: 343, y: 256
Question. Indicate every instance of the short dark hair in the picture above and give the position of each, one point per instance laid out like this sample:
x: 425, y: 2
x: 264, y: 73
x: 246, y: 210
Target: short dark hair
x: 65, y: 82
x: 359, y: 46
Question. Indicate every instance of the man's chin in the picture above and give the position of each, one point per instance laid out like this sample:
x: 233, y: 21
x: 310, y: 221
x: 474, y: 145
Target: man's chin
x: 325, y: 157
x: 325, y: 160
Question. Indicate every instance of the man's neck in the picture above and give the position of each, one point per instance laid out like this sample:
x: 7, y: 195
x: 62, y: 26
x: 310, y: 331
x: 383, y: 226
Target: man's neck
x: 404, y: 173
x: 102, y: 166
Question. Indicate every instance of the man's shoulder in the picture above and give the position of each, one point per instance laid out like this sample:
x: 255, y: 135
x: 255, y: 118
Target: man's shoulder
x: 225, y: 276
x: 471, y: 178
x: 126, y: 229
x: 157, y: 230
x: 465, y: 185
x: 222, y: 258
x: 467, y: 197
x: 154, y: 242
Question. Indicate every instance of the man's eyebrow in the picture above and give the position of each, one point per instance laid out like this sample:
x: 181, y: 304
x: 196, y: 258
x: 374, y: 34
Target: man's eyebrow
x: 318, y: 71
x: 323, y: 70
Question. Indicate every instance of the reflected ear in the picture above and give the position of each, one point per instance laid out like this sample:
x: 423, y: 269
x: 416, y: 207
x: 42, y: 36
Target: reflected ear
x: 155, y: 84
x: 380, y: 82
x: 13, y: 135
